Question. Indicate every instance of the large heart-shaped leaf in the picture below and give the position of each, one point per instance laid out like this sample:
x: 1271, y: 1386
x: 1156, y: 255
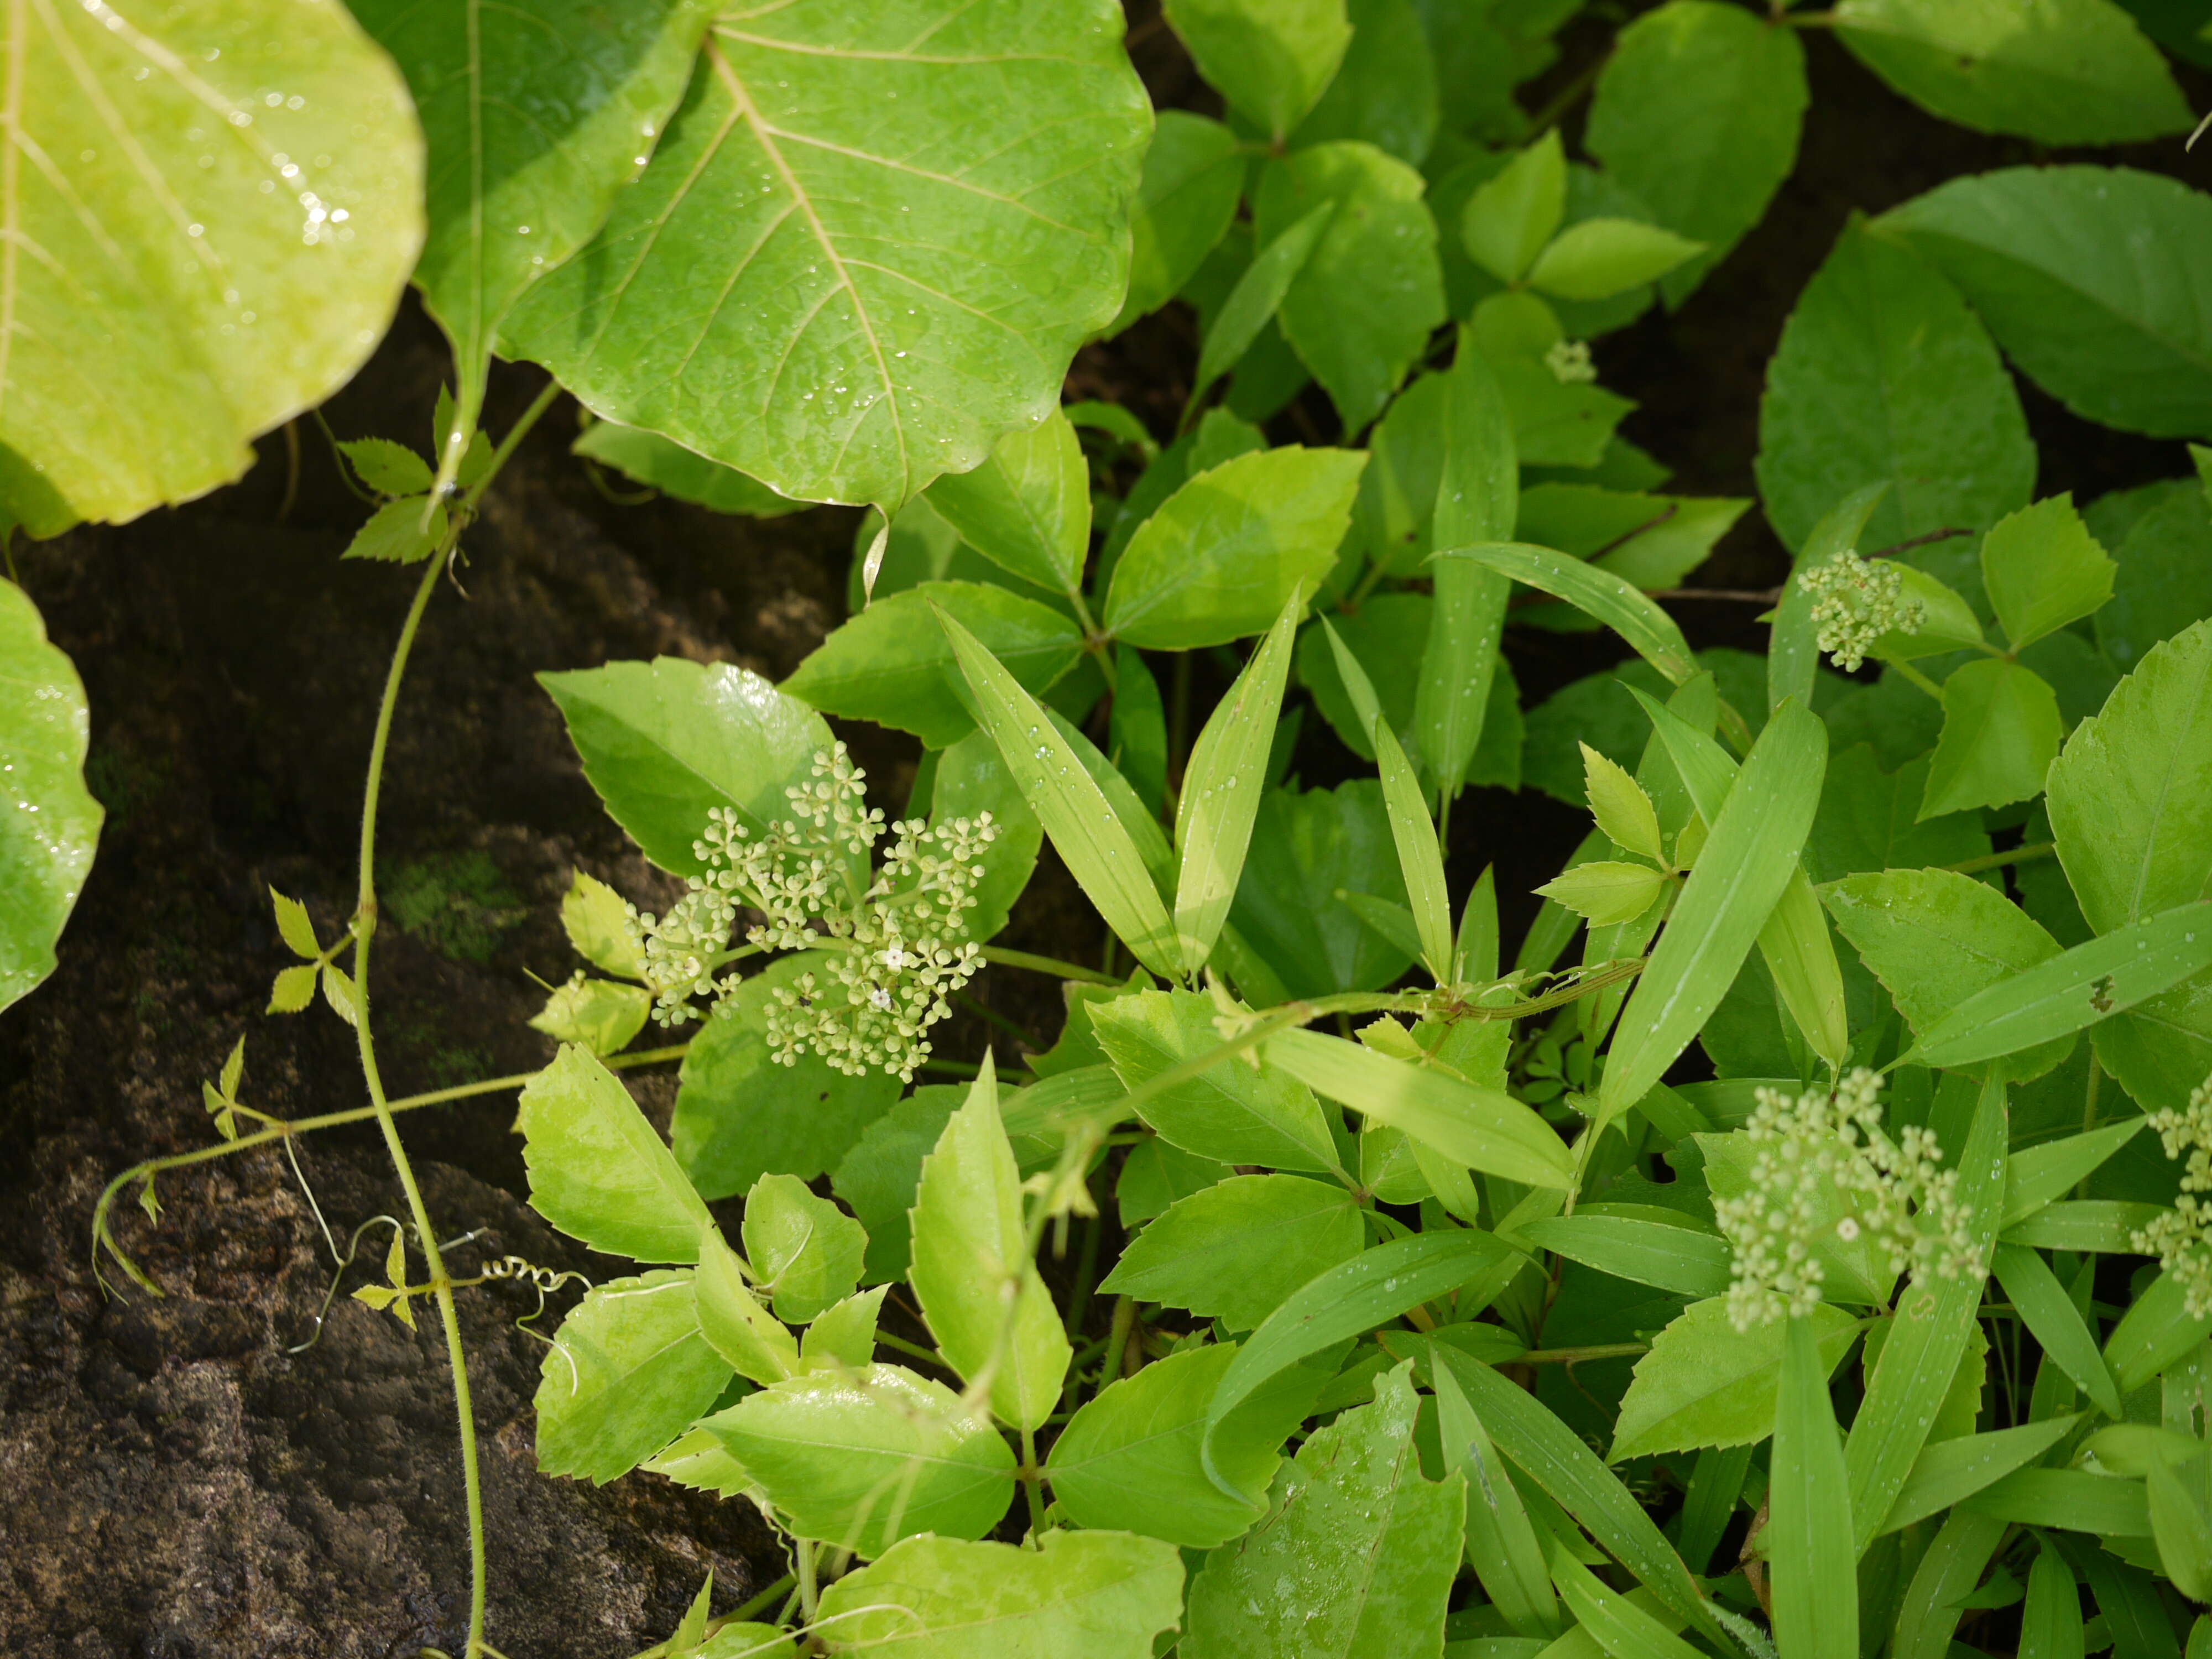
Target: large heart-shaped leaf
x: 868, y: 245
x: 210, y: 211
x: 48, y: 823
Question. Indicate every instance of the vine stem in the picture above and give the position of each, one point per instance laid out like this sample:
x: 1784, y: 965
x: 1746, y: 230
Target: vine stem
x: 441, y: 1284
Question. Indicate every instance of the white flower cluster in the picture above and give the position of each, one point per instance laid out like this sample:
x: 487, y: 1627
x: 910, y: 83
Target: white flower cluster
x: 1908, y: 1211
x: 894, y: 945
x: 1570, y: 362
x: 2181, y: 1239
x: 1857, y: 602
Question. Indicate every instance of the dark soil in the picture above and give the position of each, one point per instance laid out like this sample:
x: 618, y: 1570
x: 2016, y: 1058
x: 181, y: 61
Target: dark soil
x: 172, y: 1481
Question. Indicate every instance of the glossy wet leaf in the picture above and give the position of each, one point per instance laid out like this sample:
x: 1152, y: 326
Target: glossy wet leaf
x: 1476, y: 501
x: 877, y: 1178
x: 2164, y: 578
x: 1385, y: 90
x: 969, y: 1247
x: 2034, y: 1175
x: 2050, y: 1614
x: 2062, y: 72
x: 1356, y: 1558
x: 863, y: 1459
x: 1359, y: 311
x: 597, y: 1171
x: 1949, y: 1470
x: 535, y: 116
x: 1598, y: 258
x: 2156, y: 1330
x: 627, y: 1372
x: 1706, y: 1383
x: 2094, y: 280
x: 805, y: 1250
x: 2001, y: 731
x: 1746, y: 861
x: 1128, y: 1459
x: 1697, y: 112
x: 50, y: 823
x: 1223, y: 556
x: 1222, y: 787
x: 825, y: 277
x: 1083, y: 827
x: 1228, y: 1111
x: 218, y: 282
x: 1686, y: 1260
x: 1867, y: 821
x: 1885, y: 377
x: 2057, y: 1325
x: 1027, y: 506
x: 1595, y: 593
x: 1236, y: 1251
x: 1810, y: 1543
x: 664, y: 742
x: 1077, y: 1595
x: 664, y: 465
x: 892, y: 664
x: 1258, y: 295
x: 741, y: 1114
x: 1502, y: 1546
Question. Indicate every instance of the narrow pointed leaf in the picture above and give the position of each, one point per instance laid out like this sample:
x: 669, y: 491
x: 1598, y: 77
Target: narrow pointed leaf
x: 1809, y: 1539
x: 1598, y: 593
x: 1501, y: 1543
x: 2055, y: 1322
x: 1951, y: 1471
x: 1257, y: 296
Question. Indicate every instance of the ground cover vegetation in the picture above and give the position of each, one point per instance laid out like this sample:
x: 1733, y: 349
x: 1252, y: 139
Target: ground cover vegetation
x: 1796, y: 1241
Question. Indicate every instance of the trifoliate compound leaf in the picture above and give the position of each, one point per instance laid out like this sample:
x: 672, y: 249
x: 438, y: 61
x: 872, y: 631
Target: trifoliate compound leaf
x: 829, y: 275
x: 219, y: 205
x: 628, y: 1372
x: 49, y: 822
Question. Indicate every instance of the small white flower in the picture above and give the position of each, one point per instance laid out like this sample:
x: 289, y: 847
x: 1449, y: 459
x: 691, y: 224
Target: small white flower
x: 2181, y: 1239
x: 1848, y: 1231
x: 880, y: 997
x: 894, y: 958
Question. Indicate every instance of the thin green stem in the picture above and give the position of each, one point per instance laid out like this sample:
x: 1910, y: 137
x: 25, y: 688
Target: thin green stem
x: 1911, y: 676
x: 1578, y: 1356
x: 2041, y: 849
x: 810, y: 1595
x: 912, y: 1350
x: 1032, y: 1481
x: 1037, y: 964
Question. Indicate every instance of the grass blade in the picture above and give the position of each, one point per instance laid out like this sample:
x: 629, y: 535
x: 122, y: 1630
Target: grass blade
x: 1619, y: 604
x: 1257, y: 297
x: 1792, y: 655
x: 1810, y: 1545
x: 2053, y: 1320
x: 1501, y: 1542
x: 1951, y: 1471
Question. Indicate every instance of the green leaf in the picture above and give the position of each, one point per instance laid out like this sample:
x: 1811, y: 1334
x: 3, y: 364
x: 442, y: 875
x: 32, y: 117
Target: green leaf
x: 2071, y: 1499
x: 1501, y: 1544
x: 1950, y: 1471
x: 1934, y: 939
x: 1793, y: 657
x: 388, y: 468
x: 1866, y: 823
x: 805, y: 1249
x: 1027, y: 506
x: 1747, y: 860
x: 1229, y: 1112
x: 628, y: 1372
x: 1077, y: 1595
x: 2066, y: 72
x: 2057, y: 1325
x: 1385, y: 91
x: 1359, y: 311
x: 1601, y: 257
x: 1697, y: 113
x: 2165, y: 578
x: 1227, y: 551
x: 47, y: 837
x: 2000, y: 732
x: 1621, y: 805
x: 844, y: 1335
x: 1604, y: 892
x: 597, y: 1171
x: 1272, y: 61
x: 1933, y: 1323
x: 2156, y: 1330
x: 1355, y: 1557
x: 1515, y: 214
x: 529, y: 141
x: 755, y: 1344
x: 1568, y: 1471
x: 878, y: 1177
x: 1809, y: 1540
x: 1610, y: 1622
x: 1258, y: 295
x: 1883, y: 377
x: 1128, y: 1459
x: 2180, y: 1496
x: 973, y: 1275
x: 741, y: 1114
x: 599, y: 1014
x: 294, y: 990
x: 1185, y: 200
x: 1952, y: 1565
x: 1386, y: 637
x: 1306, y: 847
x: 2043, y: 569
x: 846, y: 228
x: 217, y: 294
x: 596, y: 919
x: 889, y: 664
x: 1351, y: 1299
x: 1596, y: 593
x: 398, y: 532
x: 1476, y: 501
x: 664, y: 742
x: 664, y: 465
x: 1480, y: 1129
x: 1084, y: 828
x: 1236, y: 1251
x: 2080, y: 986
x: 1686, y: 1259
x: 1222, y: 787
x: 2035, y: 1176
x: 2091, y: 1225
x: 1706, y: 1383
x: 972, y: 778
x: 863, y: 1459
x: 2094, y: 281
x: 2051, y: 1616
